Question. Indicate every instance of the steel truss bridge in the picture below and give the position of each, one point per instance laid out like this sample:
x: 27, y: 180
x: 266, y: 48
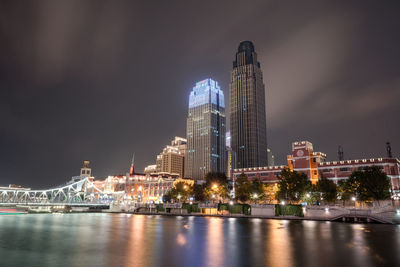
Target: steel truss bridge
x: 81, y: 193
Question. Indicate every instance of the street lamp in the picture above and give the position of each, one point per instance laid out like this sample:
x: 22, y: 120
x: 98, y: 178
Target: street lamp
x: 255, y: 197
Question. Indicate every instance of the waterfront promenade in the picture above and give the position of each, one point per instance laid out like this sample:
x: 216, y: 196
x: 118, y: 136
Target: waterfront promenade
x: 385, y: 215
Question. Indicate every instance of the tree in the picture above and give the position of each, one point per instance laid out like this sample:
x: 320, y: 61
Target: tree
x: 270, y: 192
x: 216, y: 186
x: 328, y: 189
x: 218, y: 178
x: 181, y: 191
x: 198, y: 192
x: 369, y: 183
x: 257, y: 190
x: 242, y: 187
x: 345, y: 190
x: 292, y: 185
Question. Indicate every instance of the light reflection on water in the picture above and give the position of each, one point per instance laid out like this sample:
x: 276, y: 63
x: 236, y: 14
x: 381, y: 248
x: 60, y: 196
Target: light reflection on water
x: 140, y: 240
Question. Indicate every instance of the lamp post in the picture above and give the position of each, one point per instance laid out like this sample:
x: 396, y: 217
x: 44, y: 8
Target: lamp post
x: 255, y: 198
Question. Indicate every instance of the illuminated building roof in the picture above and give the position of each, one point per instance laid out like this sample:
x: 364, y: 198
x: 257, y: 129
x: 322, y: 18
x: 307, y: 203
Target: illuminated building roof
x: 205, y: 92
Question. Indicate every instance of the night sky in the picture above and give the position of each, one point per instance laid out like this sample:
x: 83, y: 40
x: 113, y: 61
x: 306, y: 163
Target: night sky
x: 100, y: 80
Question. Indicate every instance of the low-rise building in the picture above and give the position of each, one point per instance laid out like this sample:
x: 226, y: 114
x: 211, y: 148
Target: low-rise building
x: 314, y: 164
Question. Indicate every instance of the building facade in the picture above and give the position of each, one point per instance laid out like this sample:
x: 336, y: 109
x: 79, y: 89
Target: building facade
x: 172, y: 159
x: 205, y: 130
x: 247, y: 109
x: 314, y: 164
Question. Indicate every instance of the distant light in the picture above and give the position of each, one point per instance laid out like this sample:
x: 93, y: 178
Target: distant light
x: 326, y: 209
x: 283, y: 202
x: 353, y: 198
x: 308, y: 195
x: 213, y: 196
x: 231, y: 203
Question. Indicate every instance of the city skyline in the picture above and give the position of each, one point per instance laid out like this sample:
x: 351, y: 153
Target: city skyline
x: 78, y: 84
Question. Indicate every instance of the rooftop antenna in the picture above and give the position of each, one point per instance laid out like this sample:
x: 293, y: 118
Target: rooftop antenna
x: 389, y: 149
x: 340, y: 153
x: 132, y: 169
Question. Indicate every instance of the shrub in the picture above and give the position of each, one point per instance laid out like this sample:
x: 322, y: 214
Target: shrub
x: 160, y: 207
x: 294, y: 210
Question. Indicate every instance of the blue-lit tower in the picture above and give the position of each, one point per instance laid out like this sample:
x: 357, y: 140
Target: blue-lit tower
x: 205, y: 130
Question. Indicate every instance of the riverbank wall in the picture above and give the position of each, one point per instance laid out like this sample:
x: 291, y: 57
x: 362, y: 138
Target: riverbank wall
x: 386, y: 215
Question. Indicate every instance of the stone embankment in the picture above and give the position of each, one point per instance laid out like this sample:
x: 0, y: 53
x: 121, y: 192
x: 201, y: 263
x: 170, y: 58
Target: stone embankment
x: 387, y: 214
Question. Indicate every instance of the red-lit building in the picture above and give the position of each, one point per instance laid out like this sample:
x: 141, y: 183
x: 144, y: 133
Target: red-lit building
x: 314, y: 164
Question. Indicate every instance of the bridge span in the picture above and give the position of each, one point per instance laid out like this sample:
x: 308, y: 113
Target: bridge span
x: 80, y: 193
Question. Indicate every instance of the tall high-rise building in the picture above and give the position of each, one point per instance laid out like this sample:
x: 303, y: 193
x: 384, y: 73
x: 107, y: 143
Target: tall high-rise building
x: 205, y: 130
x: 247, y: 109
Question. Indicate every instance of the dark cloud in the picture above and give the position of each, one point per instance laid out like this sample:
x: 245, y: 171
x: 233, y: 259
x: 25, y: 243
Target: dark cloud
x: 100, y: 80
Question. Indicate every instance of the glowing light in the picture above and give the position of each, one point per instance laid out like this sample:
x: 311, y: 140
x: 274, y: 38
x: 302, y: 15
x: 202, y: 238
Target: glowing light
x: 353, y: 198
x: 215, y: 186
x: 283, y: 202
x: 231, y: 202
x: 201, y: 94
x: 308, y: 195
x: 213, y: 196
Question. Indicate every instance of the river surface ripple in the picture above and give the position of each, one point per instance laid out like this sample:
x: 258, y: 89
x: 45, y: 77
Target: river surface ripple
x: 139, y: 240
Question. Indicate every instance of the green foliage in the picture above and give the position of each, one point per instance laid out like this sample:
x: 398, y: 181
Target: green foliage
x: 369, y: 183
x: 216, y: 185
x: 292, y: 185
x: 167, y: 196
x: 191, y: 207
x: 257, y: 190
x: 242, y: 188
x: 293, y: 210
x: 328, y: 189
x: 240, y: 209
x: 215, y: 178
x: 180, y: 192
x: 160, y: 208
x: 223, y: 206
x: 270, y: 192
x: 198, y: 192
x: 345, y: 190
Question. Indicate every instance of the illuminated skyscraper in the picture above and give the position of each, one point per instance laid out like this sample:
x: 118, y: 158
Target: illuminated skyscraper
x: 247, y: 109
x: 205, y: 130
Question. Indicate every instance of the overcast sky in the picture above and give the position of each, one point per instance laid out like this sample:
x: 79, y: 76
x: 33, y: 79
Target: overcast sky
x: 100, y: 80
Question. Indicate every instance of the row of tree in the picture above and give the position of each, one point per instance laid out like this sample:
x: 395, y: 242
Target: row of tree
x: 366, y: 184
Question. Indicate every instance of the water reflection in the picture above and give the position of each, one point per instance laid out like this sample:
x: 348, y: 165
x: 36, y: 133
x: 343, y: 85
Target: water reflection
x: 215, y: 242
x: 279, y: 252
x: 139, y: 240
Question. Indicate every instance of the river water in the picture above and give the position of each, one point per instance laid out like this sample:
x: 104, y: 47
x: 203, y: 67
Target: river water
x: 98, y: 239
